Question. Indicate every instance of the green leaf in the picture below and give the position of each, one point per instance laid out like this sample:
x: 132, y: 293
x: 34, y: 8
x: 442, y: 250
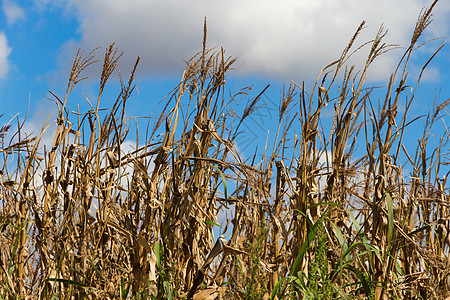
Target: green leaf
x: 350, y: 249
x: 340, y: 237
x: 398, y: 268
x: 390, y: 215
x: 224, y: 183
x: 276, y: 288
x: 362, y: 236
x: 362, y: 278
x: 124, y: 291
x: 158, y: 248
x: 212, y: 223
x: 310, y: 237
x: 168, y: 290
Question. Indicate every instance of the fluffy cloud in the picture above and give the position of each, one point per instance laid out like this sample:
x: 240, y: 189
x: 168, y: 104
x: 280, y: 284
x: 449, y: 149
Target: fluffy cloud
x: 12, y: 11
x: 287, y: 39
x: 5, y: 50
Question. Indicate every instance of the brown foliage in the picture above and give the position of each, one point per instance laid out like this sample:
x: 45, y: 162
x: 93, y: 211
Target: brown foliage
x: 84, y: 218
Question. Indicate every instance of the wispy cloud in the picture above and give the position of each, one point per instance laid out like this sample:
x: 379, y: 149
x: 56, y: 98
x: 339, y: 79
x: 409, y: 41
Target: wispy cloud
x: 12, y: 11
x: 5, y: 50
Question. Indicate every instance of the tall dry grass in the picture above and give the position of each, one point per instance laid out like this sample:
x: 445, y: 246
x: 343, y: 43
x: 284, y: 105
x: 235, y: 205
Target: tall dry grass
x: 327, y: 212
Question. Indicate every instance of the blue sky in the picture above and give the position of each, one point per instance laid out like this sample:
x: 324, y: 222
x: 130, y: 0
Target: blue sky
x: 275, y: 41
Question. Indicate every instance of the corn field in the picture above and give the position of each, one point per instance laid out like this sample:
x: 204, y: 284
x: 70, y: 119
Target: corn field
x: 343, y: 208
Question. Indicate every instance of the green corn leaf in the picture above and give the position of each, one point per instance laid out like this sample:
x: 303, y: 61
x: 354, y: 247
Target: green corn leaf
x: 390, y: 216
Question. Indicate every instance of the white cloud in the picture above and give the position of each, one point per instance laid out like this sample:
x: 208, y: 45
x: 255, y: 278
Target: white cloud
x: 5, y: 50
x: 288, y: 39
x: 12, y: 11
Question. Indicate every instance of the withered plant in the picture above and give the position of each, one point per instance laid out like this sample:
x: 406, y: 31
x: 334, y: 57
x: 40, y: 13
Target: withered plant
x: 334, y: 208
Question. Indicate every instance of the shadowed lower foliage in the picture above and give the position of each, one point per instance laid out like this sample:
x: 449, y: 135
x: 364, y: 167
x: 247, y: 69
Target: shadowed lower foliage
x: 336, y: 207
